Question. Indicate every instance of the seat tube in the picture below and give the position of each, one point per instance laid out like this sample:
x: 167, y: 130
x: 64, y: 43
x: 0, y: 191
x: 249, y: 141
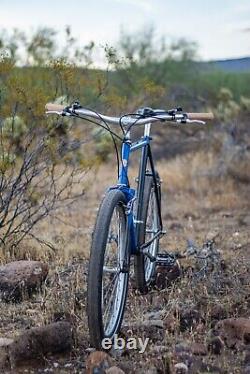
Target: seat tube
x: 141, y: 184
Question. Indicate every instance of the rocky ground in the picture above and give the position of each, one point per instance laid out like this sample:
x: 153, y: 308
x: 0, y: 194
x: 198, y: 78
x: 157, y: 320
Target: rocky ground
x: 198, y: 323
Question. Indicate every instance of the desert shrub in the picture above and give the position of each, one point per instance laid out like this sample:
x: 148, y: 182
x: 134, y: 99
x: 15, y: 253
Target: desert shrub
x: 245, y: 103
x: 103, y: 145
x: 38, y: 168
x: 227, y: 109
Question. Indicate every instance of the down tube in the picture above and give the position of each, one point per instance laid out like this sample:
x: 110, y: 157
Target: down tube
x: 123, y: 177
x: 123, y: 182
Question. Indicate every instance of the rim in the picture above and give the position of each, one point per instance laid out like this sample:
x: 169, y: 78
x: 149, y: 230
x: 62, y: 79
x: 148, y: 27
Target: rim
x: 113, y: 279
x: 152, y: 226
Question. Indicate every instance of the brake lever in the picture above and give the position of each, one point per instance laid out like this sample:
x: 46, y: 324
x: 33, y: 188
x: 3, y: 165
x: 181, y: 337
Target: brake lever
x: 53, y: 112
x: 61, y: 113
x: 190, y: 121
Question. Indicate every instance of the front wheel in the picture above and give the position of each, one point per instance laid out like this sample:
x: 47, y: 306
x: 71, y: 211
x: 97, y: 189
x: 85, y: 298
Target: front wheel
x: 144, y: 268
x: 108, y: 269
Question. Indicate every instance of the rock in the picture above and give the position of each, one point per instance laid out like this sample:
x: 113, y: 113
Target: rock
x: 35, y: 343
x: 19, y: 277
x: 189, y: 318
x: 215, y: 345
x: 114, y: 370
x: 233, y: 331
x: 98, y: 362
x: 4, y: 353
x: 149, y: 328
x: 181, y: 368
x: 145, y: 324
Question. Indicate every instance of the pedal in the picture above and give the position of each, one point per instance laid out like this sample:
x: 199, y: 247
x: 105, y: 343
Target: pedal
x: 168, y: 269
x: 165, y: 259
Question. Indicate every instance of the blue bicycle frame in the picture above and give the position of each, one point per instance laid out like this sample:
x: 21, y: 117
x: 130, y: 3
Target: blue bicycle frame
x: 134, y: 220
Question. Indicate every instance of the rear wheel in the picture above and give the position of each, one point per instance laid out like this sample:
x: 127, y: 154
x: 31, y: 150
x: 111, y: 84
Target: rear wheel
x: 144, y: 268
x: 108, y: 269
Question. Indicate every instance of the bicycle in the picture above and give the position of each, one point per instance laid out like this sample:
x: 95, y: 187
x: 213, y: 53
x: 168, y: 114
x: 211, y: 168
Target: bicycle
x: 129, y: 220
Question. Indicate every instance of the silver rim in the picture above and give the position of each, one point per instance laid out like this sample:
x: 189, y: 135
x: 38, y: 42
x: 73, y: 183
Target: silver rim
x: 113, y: 279
x: 152, y: 227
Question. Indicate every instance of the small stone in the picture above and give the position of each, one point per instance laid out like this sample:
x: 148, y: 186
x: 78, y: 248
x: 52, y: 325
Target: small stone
x: 233, y: 331
x: 98, y: 361
x: 38, y: 341
x: 216, y: 345
x: 4, y: 342
x: 19, y: 277
x: 181, y: 368
x: 114, y: 370
x: 67, y: 365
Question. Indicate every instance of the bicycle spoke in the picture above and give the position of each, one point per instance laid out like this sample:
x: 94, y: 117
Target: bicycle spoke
x: 113, y: 278
x: 110, y: 300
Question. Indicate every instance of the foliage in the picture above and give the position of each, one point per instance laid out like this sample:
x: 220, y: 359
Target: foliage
x: 37, y: 169
x: 103, y: 145
x: 141, y: 71
x: 227, y: 109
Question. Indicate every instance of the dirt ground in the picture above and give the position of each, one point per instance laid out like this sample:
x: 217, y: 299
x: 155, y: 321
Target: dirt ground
x: 194, y: 207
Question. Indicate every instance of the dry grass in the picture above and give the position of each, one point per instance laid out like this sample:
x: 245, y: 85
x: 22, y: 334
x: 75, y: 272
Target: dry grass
x: 194, y: 203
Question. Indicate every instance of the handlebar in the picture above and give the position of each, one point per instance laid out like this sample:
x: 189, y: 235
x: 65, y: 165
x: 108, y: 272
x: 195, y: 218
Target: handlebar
x: 130, y: 120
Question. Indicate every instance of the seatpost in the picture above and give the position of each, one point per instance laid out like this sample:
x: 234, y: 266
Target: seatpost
x: 147, y: 128
x: 125, y: 152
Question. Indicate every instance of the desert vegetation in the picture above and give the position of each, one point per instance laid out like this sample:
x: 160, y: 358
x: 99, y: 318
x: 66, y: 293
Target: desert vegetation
x: 53, y: 173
